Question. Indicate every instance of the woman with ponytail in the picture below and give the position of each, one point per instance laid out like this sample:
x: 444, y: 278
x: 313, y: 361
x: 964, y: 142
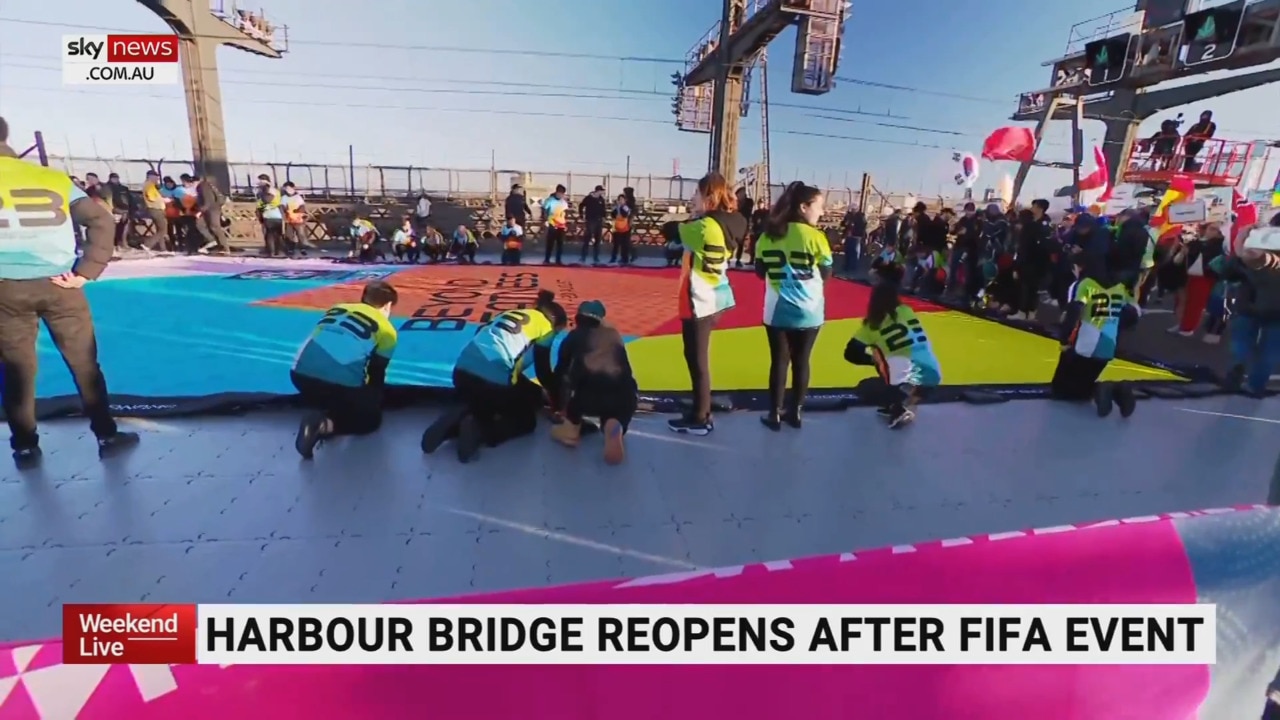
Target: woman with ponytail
x: 794, y: 259
x: 498, y: 402
x: 707, y: 240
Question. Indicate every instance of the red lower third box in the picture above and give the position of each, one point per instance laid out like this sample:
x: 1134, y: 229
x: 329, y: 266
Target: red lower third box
x: 134, y: 634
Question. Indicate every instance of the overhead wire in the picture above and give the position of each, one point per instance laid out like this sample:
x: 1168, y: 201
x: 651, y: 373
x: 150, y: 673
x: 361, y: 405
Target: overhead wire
x: 593, y: 93
x: 582, y: 56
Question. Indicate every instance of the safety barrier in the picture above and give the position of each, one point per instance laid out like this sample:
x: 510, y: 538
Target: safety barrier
x: 1230, y: 557
x: 353, y: 180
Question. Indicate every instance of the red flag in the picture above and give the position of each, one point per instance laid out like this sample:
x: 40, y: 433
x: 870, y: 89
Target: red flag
x: 1010, y: 143
x: 1246, y: 215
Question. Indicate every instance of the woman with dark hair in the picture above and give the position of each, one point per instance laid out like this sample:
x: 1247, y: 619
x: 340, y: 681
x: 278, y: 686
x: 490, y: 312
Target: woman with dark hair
x: 794, y: 259
x: 893, y: 341
x: 499, y: 402
x: 708, y: 240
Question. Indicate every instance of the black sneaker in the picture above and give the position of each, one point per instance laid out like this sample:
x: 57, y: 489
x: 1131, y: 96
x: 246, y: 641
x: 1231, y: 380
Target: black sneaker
x: 886, y: 411
x: 309, y: 435
x: 793, y: 419
x: 116, y: 444
x: 1103, y: 399
x: 901, y: 417
x: 691, y: 426
x: 587, y: 427
x: 1234, y: 379
x: 27, y: 458
x: 1125, y: 399
x: 469, y: 440
x: 771, y: 420
x: 444, y: 428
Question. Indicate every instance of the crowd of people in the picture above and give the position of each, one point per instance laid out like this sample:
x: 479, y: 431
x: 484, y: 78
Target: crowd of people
x: 186, y: 215
x: 1015, y: 263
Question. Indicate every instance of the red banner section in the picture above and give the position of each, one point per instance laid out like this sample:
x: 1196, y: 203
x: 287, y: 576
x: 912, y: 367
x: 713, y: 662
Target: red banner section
x: 1141, y: 560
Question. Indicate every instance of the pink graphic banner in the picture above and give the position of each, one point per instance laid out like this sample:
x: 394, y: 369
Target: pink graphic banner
x: 1140, y: 560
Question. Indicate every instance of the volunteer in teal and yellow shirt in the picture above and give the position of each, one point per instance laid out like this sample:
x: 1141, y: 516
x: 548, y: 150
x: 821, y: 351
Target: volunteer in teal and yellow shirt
x: 43, y: 278
x: 499, y: 402
x: 1098, y: 309
x: 342, y: 367
x: 793, y: 257
x: 704, y: 293
x: 893, y: 340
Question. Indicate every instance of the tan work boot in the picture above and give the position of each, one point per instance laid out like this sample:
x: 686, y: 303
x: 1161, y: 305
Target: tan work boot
x: 566, y: 433
x: 615, y: 450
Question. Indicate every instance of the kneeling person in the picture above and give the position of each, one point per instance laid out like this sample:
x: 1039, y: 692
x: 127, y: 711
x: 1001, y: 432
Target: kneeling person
x: 1098, y: 308
x: 342, y: 367
x: 499, y: 402
x: 592, y: 376
x: 892, y: 340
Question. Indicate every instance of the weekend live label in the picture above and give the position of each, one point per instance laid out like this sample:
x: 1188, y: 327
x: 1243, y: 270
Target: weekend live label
x: 141, y: 634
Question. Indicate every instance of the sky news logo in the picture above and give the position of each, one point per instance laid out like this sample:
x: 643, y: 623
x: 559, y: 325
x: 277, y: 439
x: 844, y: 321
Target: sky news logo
x: 120, y: 60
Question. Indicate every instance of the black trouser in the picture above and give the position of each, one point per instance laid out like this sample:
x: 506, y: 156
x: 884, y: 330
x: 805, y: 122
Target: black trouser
x: 555, y: 242
x: 352, y: 410
x: 511, y: 256
x: 696, y: 333
x: 737, y: 252
x: 1029, y: 276
x: 1271, y: 711
x: 468, y: 252
x: 273, y: 237
x: 295, y: 238
x: 791, y: 348
x: 65, y: 312
x: 189, y: 231
x: 593, y: 236
x: 435, y: 252
x: 503, y: 412
x: 1076, y: 376
x: 974, y: 280
x: 407, y: 252
x: 607, y: 398
x: 621, y: 247
x: 377, y: 250
x: 123, y: 221
x: 876, y: 391
x: 160, y: 235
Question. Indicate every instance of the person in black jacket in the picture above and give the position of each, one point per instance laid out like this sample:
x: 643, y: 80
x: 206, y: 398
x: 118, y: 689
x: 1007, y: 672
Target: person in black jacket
x: 590, y: 376
x: 593, y: 209
x: 964, y: 251
x: 746, y: 206
x: 1030, y: 263
x: 516, y: 206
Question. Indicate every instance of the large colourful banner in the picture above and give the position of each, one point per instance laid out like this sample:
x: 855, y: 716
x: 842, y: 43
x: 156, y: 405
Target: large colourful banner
x: 1229, y: 557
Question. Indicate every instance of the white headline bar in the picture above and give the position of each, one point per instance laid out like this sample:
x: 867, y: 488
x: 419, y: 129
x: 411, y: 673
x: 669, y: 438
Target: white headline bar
x: 707, y: 634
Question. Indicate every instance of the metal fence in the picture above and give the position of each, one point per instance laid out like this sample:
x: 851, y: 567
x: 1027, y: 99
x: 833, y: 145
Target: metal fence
x: 363, y: 181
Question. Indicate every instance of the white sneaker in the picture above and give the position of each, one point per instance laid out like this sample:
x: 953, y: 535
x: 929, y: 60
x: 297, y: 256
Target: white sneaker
x: 1186, y: 333
x: 1210, y: 339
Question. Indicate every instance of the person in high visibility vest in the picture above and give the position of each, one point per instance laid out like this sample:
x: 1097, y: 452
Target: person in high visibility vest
x: 365, y: 242
x: 295, y: 220
x: 512, y: 236
x: 172, y: 193
x: 271, y: 215
x: 42, y: 278
x: 621, y: 232
x: 153, y: 201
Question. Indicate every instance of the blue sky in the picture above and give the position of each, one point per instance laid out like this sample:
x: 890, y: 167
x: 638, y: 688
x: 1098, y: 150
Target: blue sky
x: 361, y: 76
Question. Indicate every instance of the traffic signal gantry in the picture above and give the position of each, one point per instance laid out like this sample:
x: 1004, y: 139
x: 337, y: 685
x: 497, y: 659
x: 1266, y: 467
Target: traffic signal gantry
x: 1114, y: 63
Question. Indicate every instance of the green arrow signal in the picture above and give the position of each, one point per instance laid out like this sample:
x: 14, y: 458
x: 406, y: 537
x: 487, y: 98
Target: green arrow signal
x: 1102, y: 60
x: 1208, y: 31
